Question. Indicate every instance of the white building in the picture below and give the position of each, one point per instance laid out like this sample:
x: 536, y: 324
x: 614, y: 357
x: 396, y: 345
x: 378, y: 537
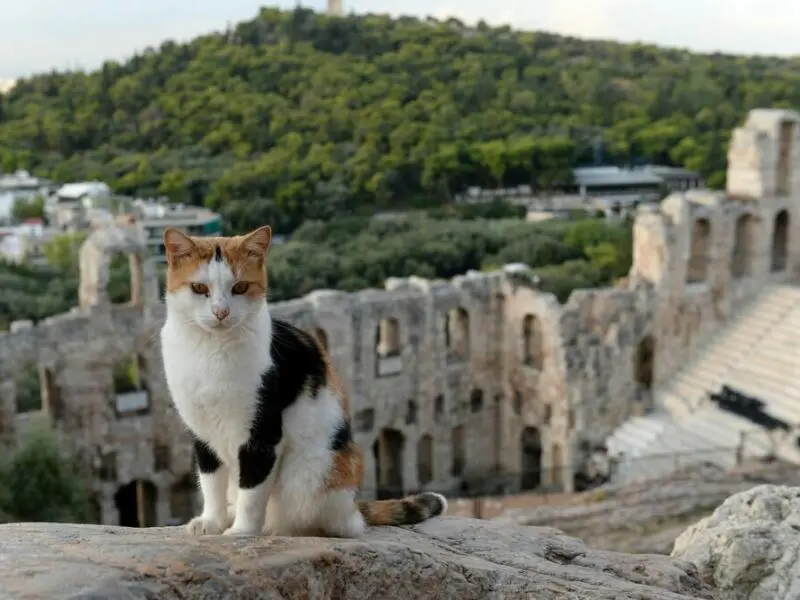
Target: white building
x: 20, y: 186
x: 155, y: 217
x: 67, y: 208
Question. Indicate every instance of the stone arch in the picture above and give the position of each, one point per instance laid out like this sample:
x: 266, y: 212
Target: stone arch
x: 162, y: 456
x: 181, y: 499
x: 458, y: 451
x: 744, y: 241
x: 425, y: 459
x: 438, y: 408
x: 780, y: 242
x: 497, y: 432
x: 388, y: 452
x: 136, y: 503
x: 456, y: 332
x: 476, y: 400
x: 124, y: 236
x: 387, y: 347
x: 532, y: 342
x: 131, y: 396
x: 783, y: 174
x: 52, y: 402
x: 644, y: 362
x: 531, y: 463
x: 517, y: 402
x: 558, y: 467
x: 411, y: 412
x: 697, y: 268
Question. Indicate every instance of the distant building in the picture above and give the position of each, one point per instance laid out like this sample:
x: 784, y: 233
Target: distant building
x: 69, y: 206
x: 604, y: 188
x: 20, y: 186
x: 24, y: 242
x: 155, y: 217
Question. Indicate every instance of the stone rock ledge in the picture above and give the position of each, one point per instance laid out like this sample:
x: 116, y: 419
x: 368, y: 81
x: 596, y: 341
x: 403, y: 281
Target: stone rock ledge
x: 749, y: 548
x: 449, y: 557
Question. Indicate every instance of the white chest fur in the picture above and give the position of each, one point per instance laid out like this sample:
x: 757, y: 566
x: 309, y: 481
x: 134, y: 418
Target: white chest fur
x: 213, y: 378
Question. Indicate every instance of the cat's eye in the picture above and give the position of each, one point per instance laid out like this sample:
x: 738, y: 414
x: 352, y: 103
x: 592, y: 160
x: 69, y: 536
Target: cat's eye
x: 200, y: 288
x: 240, y: 287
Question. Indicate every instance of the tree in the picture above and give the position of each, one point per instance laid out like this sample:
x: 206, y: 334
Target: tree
x: 28, y: 209
x: 303, y: 116
x: 40, y: 482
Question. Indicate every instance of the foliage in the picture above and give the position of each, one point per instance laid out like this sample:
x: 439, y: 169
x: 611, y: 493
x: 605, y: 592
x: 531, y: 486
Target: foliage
x: 126, y: 376
x: 297, y: 115
x: 38, y: 482
x: 28, y: 390
x: 61, y: 251
x: 352, y: 253
x: 28, y: 209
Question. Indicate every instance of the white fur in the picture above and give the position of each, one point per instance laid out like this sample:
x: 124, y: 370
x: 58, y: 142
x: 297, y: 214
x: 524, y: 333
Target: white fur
x: 213, y: 370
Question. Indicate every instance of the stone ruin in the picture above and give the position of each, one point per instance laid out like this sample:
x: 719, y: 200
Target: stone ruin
x: 482, y: 384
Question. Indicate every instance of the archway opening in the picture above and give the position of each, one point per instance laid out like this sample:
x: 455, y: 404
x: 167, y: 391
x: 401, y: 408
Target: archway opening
x: 456, y: 333
x: 388, y: 450
x: 743, y: 246
x: 780, y: 242
x: 697, y: 269
x: 532, y: 342
x: 531, y: 463
x: 783, y: 183
x: 136, y: 504
x: 425, y: 460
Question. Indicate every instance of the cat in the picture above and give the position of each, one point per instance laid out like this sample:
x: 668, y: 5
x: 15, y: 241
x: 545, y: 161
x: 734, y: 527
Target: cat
x: 268, y: 416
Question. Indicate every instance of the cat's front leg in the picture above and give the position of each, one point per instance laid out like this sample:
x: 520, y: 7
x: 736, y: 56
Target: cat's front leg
x: 213, y: 476
x: 256, y: 464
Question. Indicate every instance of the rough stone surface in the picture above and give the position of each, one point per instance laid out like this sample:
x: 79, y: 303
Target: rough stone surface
x: 648, y: 517
x: 445, y: 558
x: 749, y: 548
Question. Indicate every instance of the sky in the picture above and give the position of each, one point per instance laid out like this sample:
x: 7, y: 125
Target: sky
x: 39, y: 35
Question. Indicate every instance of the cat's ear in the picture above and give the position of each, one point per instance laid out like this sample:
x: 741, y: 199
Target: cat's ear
x: 177, y: 243
x: 257, y: 242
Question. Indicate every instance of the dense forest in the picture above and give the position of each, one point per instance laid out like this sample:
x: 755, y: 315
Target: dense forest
x: 296, y: 115
x: 351, y: 253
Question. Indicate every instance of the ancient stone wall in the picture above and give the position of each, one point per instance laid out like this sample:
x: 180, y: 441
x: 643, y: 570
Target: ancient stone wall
x: 479, y: 384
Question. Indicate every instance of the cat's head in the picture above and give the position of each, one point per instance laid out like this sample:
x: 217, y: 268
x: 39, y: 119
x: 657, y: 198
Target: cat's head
x: 217, y: 283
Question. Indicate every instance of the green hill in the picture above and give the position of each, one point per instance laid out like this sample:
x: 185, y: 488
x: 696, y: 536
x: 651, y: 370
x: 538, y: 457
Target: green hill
x: 298, y: 115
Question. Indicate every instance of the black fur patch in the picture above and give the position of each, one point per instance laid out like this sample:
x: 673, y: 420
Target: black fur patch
x: 207, y: 460
x: 217, y: 253
x: 298, y: 366
x: 342, y: 436
x: 413, y: 512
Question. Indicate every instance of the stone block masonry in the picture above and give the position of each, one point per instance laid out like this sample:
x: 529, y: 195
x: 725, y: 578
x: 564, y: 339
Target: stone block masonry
x: 452, y: 383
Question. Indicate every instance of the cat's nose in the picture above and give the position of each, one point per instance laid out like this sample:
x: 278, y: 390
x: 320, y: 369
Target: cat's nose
x: 221, y: 313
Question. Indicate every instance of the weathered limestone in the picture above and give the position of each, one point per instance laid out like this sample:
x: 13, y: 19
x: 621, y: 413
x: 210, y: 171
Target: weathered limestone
x: 445, y: 558
x: 482, y: 383
x: 749, y: 548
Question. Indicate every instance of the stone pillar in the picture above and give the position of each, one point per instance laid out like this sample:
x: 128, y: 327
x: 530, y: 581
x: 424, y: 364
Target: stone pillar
x: 7, y: 412
x: 135, y: 267
x: 108, y: 509
x: 163, y: 508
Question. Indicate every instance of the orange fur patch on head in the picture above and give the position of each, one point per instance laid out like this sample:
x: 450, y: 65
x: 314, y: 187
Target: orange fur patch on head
x: 245, y: 254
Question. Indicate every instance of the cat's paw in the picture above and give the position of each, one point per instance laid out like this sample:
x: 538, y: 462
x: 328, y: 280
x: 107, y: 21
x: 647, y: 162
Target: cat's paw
x: 204, y: 526
x: 238, y: 531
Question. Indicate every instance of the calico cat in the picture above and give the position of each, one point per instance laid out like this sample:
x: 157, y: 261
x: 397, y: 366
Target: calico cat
x: 267, y: 413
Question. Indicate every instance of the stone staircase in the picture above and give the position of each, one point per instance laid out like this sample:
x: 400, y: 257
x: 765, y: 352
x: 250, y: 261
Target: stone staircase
x: 758, y: 354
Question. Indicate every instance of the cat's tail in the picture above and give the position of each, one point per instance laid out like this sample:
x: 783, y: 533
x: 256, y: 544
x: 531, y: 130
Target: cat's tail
x: 403, y: 511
